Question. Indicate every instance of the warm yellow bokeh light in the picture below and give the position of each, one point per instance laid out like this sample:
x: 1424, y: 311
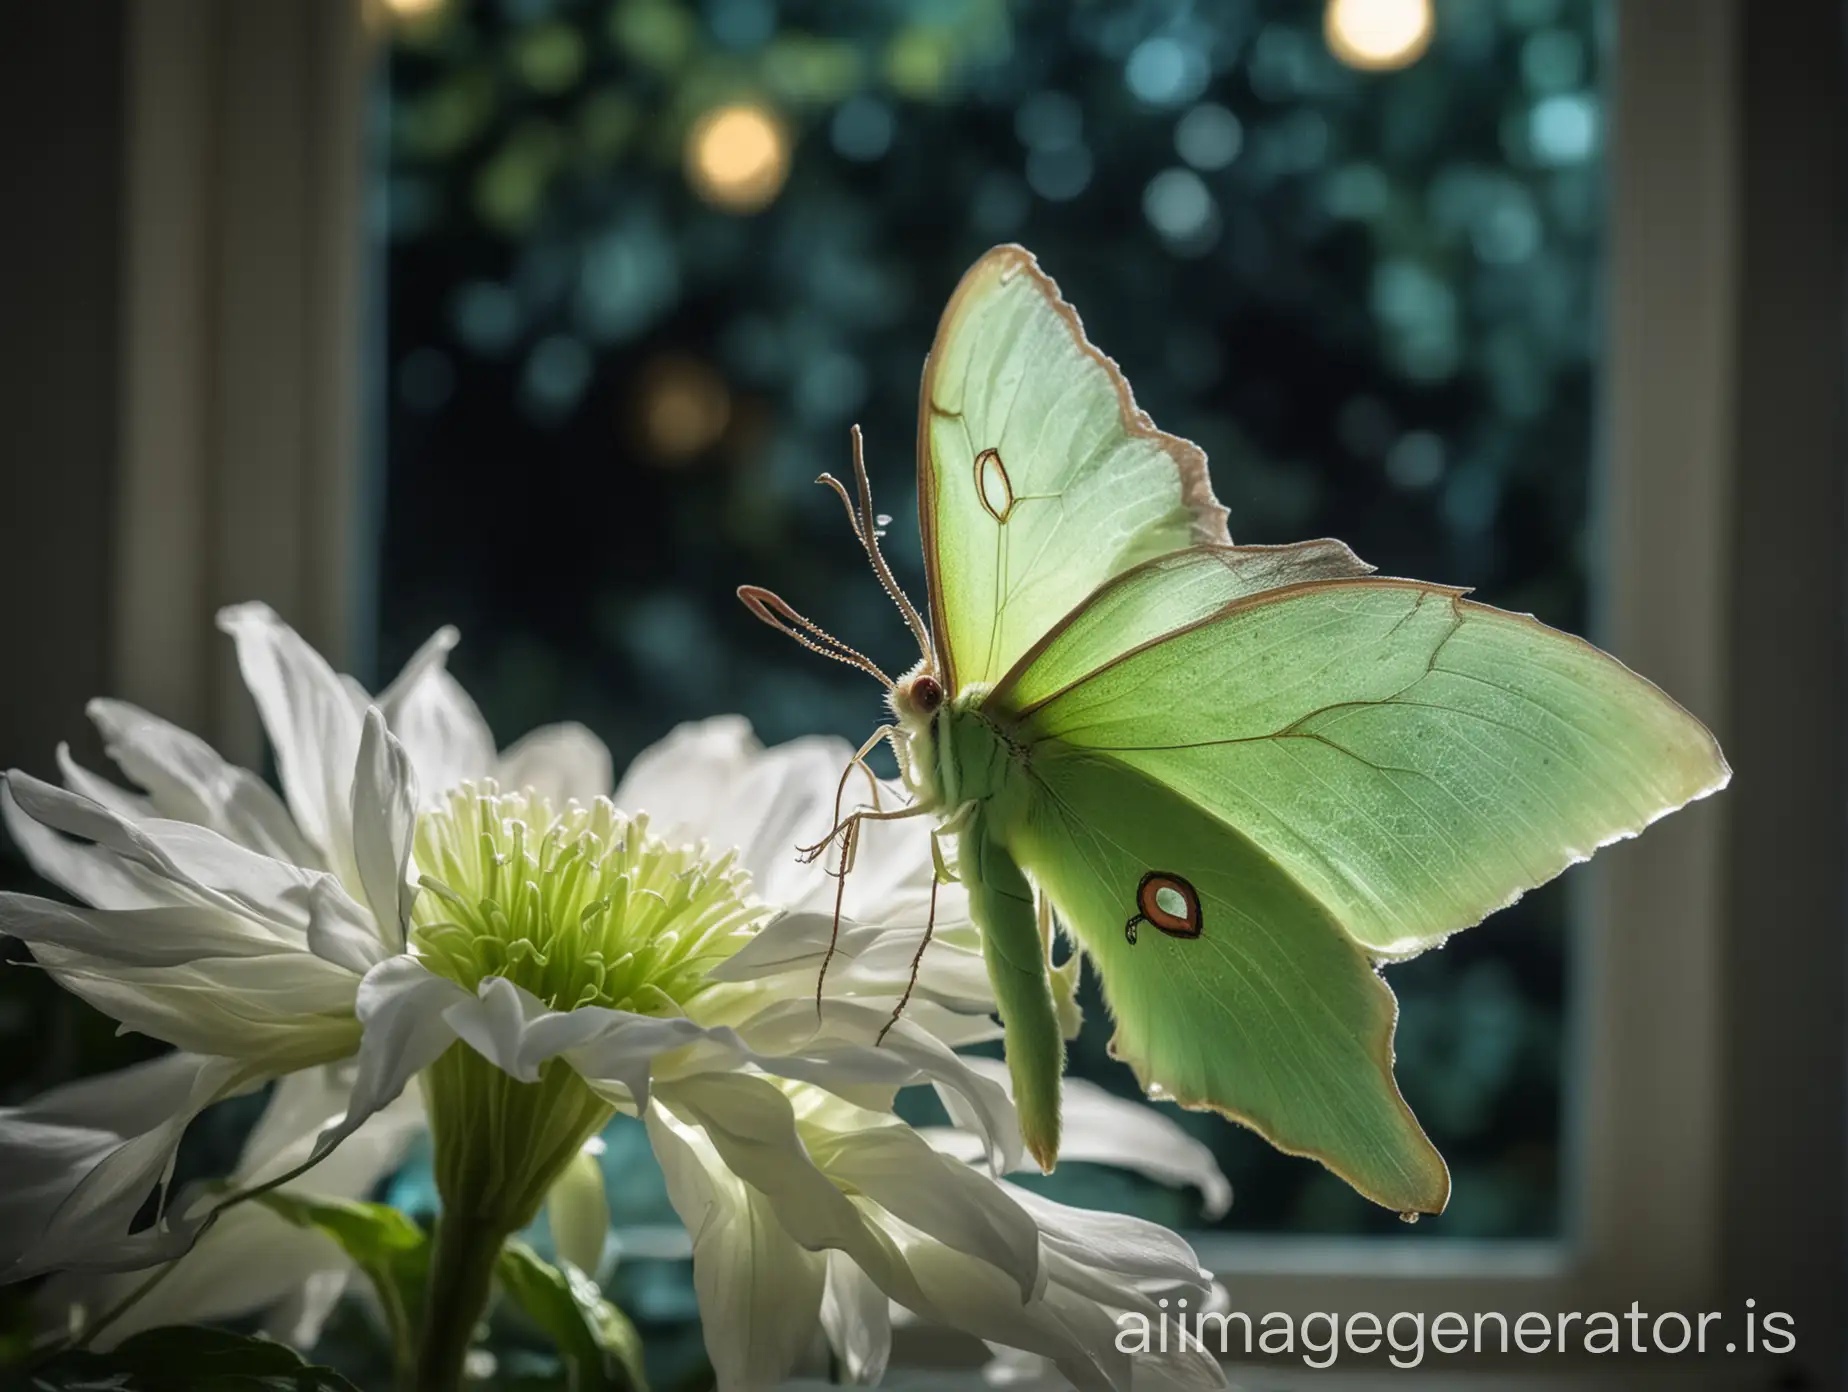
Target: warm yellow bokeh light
x: 1378, y: 35
x: 738, y: 157
x: 685, y: 408
x: 414, y: 9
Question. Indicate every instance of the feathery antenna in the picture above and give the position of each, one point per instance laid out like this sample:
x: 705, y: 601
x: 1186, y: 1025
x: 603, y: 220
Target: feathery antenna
x: 776, y: 612
x: 866, y: 527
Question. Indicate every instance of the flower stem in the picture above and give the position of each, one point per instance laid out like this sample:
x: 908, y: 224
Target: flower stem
x: 462, y: 1259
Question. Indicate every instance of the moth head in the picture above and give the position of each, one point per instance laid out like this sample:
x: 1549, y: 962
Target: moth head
x: 917, y: 696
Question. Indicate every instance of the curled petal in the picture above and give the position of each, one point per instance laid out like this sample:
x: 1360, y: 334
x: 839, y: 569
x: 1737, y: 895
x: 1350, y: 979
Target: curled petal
x: 400, y: 1009
x: 250, y: 1259
x: 384, y: 816
x: 858, y: 1320
x: 974, y: 1099
x: 442, y: 729
x: 1105, y: 1129
x: 187, y: 780
x: 82, y: 1160
x: 759, y: 1289
x: 874, y: 959
x: 312, y: 724
x: 617, y: 1049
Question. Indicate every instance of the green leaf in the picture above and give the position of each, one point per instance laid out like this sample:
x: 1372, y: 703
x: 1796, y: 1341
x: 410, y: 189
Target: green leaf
x: 601, y: 1350
x: 187, y: 1358
x: 383, y: 1242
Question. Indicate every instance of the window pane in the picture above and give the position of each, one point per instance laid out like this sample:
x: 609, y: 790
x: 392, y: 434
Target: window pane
x: 648, y: 261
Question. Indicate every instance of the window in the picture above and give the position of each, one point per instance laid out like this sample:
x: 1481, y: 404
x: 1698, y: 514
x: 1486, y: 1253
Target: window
x: 1703, y: 1152
x: 654, y: 260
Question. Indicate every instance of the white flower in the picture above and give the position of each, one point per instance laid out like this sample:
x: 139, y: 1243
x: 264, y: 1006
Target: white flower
x: 251, y: 1261
x: 238, y: 928
x: 544, y: 960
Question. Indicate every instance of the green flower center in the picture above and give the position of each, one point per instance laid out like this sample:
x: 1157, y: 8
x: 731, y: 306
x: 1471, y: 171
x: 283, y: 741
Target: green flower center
x: 580, y: 906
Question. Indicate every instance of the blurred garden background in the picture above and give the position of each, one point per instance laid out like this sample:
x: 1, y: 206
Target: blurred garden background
x: 639, y: 264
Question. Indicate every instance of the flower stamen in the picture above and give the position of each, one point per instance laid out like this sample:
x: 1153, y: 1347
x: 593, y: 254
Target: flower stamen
x: 579, y: 905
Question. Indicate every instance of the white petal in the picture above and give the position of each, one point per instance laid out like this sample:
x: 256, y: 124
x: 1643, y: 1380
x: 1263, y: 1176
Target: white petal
x: 858, y: 1318
x: 400, y: 1006
x: 759, y: 1290
x: 970, y: 1295
x: 617, y: 1049
x: 432, y: 652
x: 1126, y: 1246
x: 784, y: 800
x: 752, y: 1128
x: 189, y: 781
x: 142, y: 937
x: 712, y: 780
x: 384, y: 816
x: 973, y: 1099
x: 963, y: 1209
x: 89, y: 872
x: 340, y: 931
x: 196, y: 864
x: 311, y: 723
x: 1105, y: 1129
x: 75, y: 1210
x: 442, y: 729
x: 874, y: 959
x: 1110, y: 1130
x: 86, y: 784
x: 304, y: 1104
x: 680, y: 779
x: 299, y: 1318
x: 563, y: 763
x: 275, y: 1013
x: 248, y: 1260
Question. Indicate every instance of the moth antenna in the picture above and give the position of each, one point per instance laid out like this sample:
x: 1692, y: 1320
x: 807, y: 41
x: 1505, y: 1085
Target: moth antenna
x: 773, y: 610
x: 866, y: 530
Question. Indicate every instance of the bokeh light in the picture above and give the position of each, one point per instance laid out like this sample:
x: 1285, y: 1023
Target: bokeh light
x: 1378, y: 35
x: 684, y: 408
x: 738, y: 157
x: 414, y: 9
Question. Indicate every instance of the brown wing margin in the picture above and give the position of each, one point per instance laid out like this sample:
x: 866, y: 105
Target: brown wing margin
x: 999, y: 265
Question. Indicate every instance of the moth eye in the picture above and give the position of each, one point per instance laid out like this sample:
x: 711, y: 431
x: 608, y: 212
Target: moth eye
x: 926, y: 693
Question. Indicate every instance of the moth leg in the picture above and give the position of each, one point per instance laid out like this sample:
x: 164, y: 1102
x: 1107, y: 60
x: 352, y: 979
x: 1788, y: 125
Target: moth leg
x: 849, y: 827
x: 809, y: 853
x: 941, y: 877
x: 849, y: 832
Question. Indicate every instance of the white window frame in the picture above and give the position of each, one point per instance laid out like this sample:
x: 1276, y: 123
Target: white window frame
x: 1706, y: 957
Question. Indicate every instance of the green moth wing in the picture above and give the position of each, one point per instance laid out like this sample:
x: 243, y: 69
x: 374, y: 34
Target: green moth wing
x: 1413, y: 759
x: 1270, y: 1014
x: 1038, y: 476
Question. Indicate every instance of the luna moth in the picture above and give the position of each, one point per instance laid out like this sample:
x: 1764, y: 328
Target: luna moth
x: 1241, y: 777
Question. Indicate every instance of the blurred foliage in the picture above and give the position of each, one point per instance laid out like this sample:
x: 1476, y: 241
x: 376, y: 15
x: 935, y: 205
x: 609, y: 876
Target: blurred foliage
x: 1371, y: 297
x: 185, y: 1358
